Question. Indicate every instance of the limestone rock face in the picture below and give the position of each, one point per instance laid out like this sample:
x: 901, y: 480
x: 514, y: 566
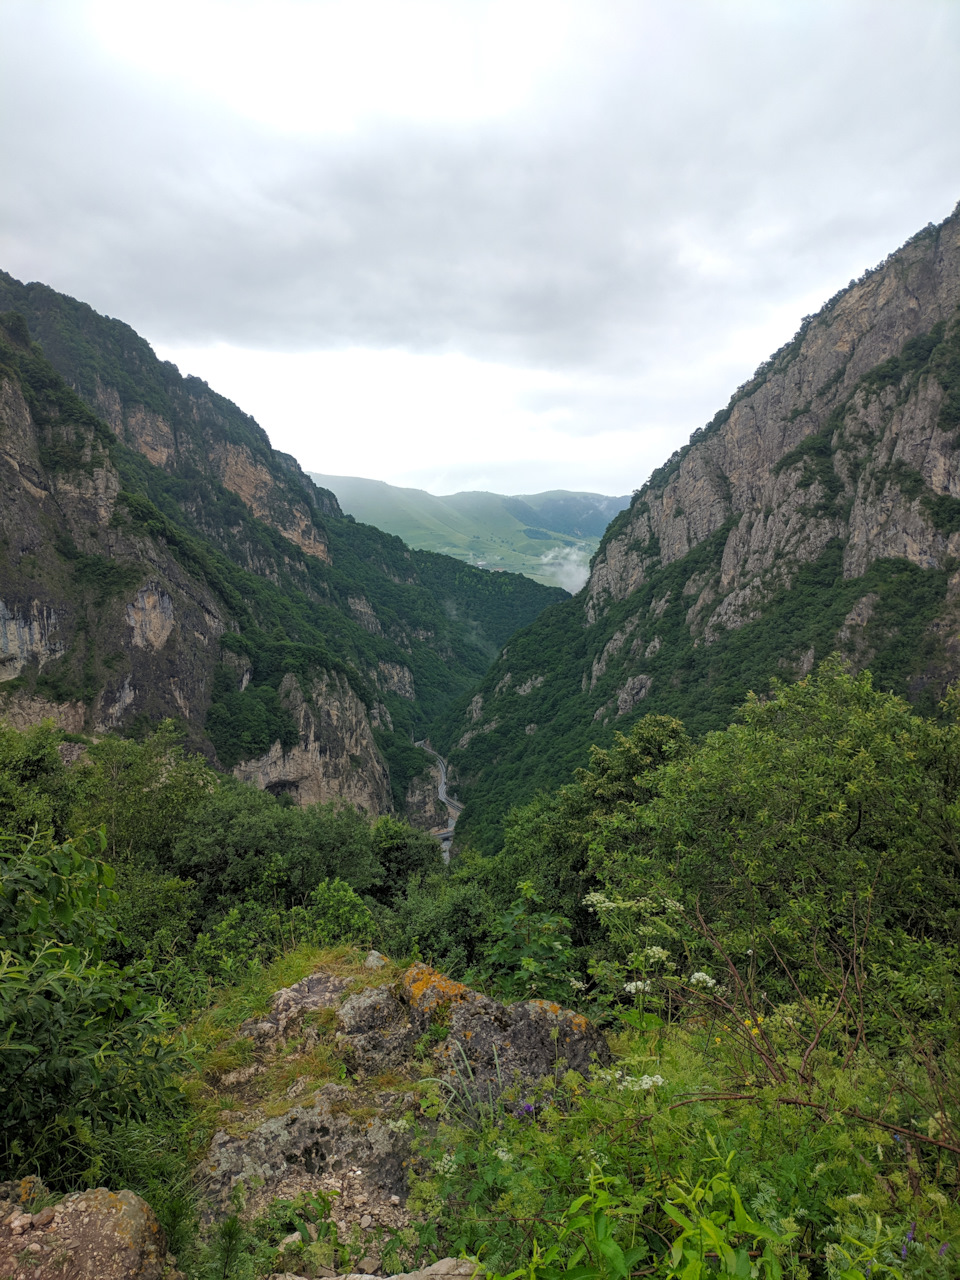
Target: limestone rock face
x: 31, y: 632
x: 254, y: 484
x: 742, y: 476
x: 107, y: 1234
x: 336, y: 756
x: 424, y: 808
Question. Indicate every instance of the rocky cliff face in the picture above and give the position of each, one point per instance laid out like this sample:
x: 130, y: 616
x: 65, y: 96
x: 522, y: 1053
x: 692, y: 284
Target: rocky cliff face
x: 92, y: 604
x: 159, y: 559
x: 78, y: 590
x: 174, y: 422
x: 826, y: 442
x: 820, y: 510
x: 335, y: 757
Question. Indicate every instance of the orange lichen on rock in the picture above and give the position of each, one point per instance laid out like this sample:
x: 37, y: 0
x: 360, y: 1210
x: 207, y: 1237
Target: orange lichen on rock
x: 425, y: 988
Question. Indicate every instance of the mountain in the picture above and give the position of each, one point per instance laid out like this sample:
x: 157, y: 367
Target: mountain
x: 158, y: 558
x: 818, y: 511
x: 547, y: 536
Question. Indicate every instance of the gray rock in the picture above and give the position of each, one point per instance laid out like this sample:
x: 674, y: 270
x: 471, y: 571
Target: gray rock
x: 375, y: 960
x: 110, y: 1235
x: 323, y: 1138
x: 376, y: 1031
x: 489, y: 1046
x: 318, y: 991
x: 452, y: 1267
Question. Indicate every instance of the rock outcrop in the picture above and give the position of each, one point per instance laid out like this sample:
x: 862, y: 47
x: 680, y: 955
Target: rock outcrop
x: 104, y: 1234
x: 356, y: 1138
x: 488, y: 1047
x: 830, y: 439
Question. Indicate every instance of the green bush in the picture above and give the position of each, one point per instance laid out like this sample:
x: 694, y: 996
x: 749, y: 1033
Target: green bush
x: 83, y: 1049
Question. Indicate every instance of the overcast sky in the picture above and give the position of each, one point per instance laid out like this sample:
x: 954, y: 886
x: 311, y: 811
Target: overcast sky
x: 457, y: 244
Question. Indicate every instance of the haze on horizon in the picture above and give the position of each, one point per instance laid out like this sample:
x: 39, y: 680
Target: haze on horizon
x: 513, y: 245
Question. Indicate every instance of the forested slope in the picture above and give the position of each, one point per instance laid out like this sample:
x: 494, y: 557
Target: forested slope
x: 159, y: 559
x: 819, y: 510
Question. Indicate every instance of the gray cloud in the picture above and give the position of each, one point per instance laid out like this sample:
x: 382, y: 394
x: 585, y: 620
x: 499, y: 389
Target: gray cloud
x: 700, y: 165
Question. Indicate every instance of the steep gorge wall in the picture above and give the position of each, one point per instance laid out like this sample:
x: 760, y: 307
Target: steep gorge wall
x: 177, y: 423
x: 102, y: 625
x: 819, y: 386
x: 820, y: 510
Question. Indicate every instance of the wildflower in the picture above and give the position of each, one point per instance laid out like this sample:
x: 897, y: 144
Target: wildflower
x: 699, y: 979
x: 577, y: 984
x: 625, y: 1083
x: 504, y: 1155
x: 754, y: 1031
x: 656, y: 953
x: 716, y: 1039
x: 446, y: 1164
x: 636, y: 988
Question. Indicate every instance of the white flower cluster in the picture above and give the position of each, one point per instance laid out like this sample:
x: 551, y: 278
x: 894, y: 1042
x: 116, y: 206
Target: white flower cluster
x: 656, y: 953
x: 504, y: 1155
x: 597, y: 901
x: 636, y: 988
x: 446, y: 1164
x: 401, y: 1125
x: 702, y: 980
x: 577, y: 984
x: 626, y: 1083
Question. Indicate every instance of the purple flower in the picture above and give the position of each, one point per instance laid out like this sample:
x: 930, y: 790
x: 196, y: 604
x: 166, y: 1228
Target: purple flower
x: 903, y: 1252
x: 910, y: 1233
x: 943, y: 1249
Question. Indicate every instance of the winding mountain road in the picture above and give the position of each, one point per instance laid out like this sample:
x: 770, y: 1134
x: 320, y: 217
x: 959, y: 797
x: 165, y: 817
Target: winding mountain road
x: 454, y: 807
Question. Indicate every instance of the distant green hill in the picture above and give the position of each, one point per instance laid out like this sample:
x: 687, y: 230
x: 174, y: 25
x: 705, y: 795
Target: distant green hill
x: 547, y: 536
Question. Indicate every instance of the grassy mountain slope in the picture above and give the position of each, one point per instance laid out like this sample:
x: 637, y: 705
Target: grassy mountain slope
x: 543, y: 535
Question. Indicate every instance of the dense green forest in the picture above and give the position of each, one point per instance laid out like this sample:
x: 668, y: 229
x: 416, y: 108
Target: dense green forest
x: 762, y: 918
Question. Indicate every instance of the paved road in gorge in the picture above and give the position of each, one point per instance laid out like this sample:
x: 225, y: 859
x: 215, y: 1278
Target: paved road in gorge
x: 454, y: 807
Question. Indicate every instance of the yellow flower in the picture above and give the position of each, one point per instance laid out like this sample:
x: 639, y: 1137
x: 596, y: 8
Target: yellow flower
x: 754, y: 1031
x: 716, y: 1039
